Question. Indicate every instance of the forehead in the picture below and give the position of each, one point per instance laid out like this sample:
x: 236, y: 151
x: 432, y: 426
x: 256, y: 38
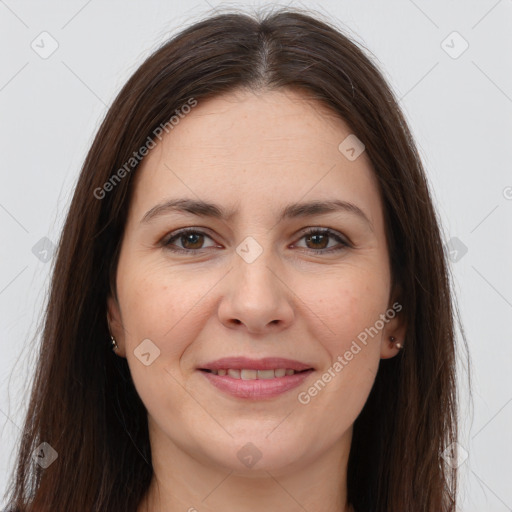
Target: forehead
x: 265, y: 147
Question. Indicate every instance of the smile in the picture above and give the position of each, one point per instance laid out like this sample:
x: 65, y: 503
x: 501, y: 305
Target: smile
x: 251, y: 384
x: 246, y: 374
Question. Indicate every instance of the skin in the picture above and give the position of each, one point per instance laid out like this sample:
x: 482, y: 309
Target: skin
x: 254, y: 152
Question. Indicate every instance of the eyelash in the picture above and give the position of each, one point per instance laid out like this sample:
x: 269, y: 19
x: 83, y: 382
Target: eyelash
x: 322, y: 231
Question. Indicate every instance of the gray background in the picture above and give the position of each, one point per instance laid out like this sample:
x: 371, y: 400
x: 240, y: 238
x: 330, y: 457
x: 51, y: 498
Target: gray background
x: 459, y: 107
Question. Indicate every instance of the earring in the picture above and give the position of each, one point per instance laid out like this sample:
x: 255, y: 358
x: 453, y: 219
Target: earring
x: 114, y: 346
x: 398, y: 345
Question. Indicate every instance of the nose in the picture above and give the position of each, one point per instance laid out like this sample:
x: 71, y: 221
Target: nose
x: 256, y: 296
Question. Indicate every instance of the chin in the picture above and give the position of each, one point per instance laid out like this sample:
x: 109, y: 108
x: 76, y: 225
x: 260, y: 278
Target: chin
x: 255, y: 455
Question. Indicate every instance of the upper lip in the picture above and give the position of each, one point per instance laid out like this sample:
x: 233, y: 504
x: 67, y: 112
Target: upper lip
x: 245, y: 363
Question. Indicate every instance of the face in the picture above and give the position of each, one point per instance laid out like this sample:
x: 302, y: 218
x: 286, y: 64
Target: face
x: 311, y: 287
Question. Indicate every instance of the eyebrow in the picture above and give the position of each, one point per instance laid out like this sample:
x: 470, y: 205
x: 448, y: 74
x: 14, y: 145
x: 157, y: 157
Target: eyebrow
x: 291, y: 211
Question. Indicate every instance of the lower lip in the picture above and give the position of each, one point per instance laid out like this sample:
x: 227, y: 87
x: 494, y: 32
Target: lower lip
x: 257, y: 388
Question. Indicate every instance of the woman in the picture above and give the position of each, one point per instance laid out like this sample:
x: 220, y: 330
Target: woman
x: 253, y: 235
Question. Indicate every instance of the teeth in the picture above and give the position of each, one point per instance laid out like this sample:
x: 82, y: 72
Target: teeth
x: 266, y: 374
x: 254, y: 374
x: 248, y: 374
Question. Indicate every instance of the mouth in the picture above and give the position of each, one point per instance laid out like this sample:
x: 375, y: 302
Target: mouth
x: 255, y: 379
x: 248, y: 374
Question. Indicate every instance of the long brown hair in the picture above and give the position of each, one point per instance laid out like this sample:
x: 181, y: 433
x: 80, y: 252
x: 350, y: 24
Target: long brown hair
x: 83, y: 401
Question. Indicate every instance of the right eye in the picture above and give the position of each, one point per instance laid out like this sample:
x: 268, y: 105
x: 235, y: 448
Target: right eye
x: 187, y: 236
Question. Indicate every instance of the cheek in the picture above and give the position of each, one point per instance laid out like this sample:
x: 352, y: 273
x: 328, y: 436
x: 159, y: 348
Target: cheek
x: 349, y: 312
x: 157, y: 300
x: 348, y: 305
x: 161, y: 306
x: 168, y: 307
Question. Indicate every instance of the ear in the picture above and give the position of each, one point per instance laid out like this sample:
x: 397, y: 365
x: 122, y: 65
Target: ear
x: 116, y: 324
x: 396, y: 327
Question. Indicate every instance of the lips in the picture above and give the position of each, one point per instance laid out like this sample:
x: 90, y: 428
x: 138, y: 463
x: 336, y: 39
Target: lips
x: 256, y: 378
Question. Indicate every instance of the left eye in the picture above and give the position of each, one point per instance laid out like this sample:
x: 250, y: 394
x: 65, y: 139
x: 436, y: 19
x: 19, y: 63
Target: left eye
x: 193, y: 239
x: 319, y: 236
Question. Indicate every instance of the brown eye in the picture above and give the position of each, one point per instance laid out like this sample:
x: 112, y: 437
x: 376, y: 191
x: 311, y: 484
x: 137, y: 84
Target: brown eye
x: 190, y: 239
x: 194, y: 239
x: 317, y: 240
